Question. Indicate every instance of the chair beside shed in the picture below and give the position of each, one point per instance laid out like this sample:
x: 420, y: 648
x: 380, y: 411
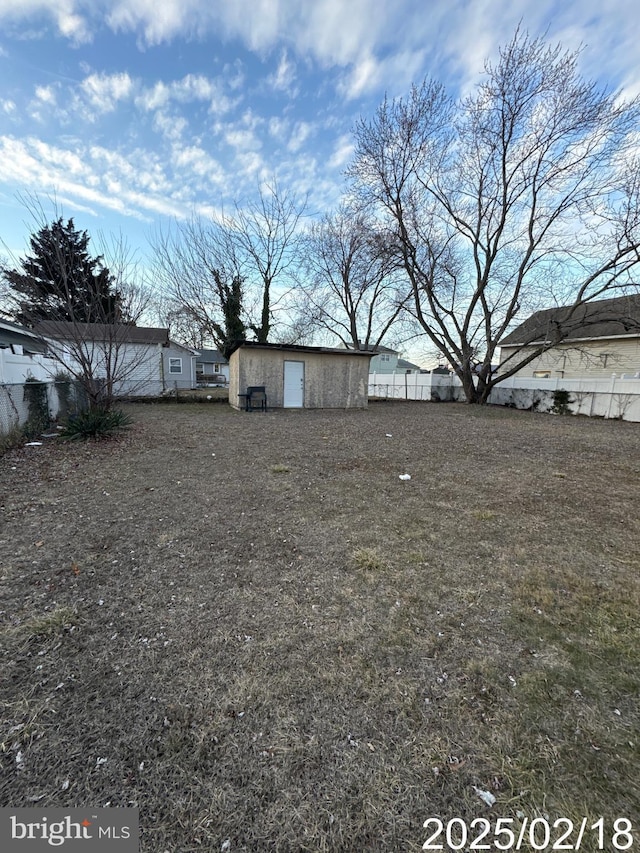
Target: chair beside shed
x: 255, y: 399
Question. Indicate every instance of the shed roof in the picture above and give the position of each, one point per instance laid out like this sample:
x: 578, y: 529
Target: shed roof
x: 298, y: 348
x: 605, y: 318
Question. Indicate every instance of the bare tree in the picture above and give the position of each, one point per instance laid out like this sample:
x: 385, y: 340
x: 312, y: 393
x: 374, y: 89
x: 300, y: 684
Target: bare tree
x: 525, y: 192
x: 84, y: 305
x: 351, y: 285
x: 197, y: 267
x: 221, y: 274
x: 265, y: 234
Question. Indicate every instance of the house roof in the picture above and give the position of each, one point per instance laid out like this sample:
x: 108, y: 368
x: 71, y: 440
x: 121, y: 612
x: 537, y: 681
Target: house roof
x: 407, y: 365
x: 605, y: 318
x: 12, y: 333
x: 300, y: 348
x: 376, y: 349
x: 211, y: 355
x: 59, y: 330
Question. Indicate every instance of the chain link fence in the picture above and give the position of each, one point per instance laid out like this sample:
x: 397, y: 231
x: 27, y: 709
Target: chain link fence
x: 28, y: 408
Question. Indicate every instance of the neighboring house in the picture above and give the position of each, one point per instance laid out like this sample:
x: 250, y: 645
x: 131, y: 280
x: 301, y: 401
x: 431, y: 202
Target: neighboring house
x: 387, y: 360
x: 211, y: 365
x: 22, y: 355
x: 142, y: 361
x: 602, y: 338
x: 296, y: 377
x: 19, y: 340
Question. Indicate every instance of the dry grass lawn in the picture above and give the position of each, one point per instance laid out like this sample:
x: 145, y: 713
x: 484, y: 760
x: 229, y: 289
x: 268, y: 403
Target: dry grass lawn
x: 248, y: 626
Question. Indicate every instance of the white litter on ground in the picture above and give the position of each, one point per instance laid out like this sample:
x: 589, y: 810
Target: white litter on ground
x: 486, y: 796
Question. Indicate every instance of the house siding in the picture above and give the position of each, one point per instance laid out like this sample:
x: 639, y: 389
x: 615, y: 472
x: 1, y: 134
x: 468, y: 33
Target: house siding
x: 144, y: 366
x: 596, y: 358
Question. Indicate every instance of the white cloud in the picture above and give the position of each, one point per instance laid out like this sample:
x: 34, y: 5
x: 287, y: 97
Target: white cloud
x: 135, y: 185
x: 242, y: 139
x: 242, y: 135
x: 359, y: 36
x: 170, y: 126
x: 8, y: 106
x: 278, y: 128
x: 197, y: 161
x: 301, y: 133
x: 249, y: 165
x: 154, y: 98
x: 104, y: 91
x: 284, y: 76
x: 65, y: 14
x: 162, y: 21
x: 342, y: 152
x: 362, y: 78
x: 189, y: 89
x: 46, y: 94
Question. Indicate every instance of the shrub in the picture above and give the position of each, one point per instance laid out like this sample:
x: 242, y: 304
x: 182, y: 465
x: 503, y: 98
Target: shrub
x: 35, y: 393
x: 63, y: 387
x: 11, y: 439
x: 96, y: 423
x: 561, y: 402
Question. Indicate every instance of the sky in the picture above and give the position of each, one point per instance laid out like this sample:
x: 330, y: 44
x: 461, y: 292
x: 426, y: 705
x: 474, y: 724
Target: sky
x: 134, y: 113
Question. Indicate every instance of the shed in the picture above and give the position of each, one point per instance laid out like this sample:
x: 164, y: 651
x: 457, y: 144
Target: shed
x: 300, y: 377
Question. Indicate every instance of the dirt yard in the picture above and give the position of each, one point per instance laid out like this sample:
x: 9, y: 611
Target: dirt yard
x: 250, y: 627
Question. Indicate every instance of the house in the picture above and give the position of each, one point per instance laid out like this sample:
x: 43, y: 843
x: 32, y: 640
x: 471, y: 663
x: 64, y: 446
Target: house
x: 212, y: 368
x: 19, y: 340
x: 387, y: 360
x: 23, y: 354
x: 597, y: 339
x: 296, y: 376
x: 140, y: 361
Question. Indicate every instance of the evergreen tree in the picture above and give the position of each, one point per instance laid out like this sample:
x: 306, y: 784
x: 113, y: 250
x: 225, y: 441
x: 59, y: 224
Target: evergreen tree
x: 60, y: 280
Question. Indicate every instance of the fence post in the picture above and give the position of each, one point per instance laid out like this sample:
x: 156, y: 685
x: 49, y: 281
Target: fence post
x: 613, y: 387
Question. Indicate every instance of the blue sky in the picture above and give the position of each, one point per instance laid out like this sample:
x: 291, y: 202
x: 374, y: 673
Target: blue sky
x: 134, y: 111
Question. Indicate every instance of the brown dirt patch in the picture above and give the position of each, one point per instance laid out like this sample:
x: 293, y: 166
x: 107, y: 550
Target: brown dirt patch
x: 272, y: 639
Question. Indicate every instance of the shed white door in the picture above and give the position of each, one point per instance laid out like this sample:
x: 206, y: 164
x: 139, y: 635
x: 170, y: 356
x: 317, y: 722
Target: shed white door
x: 293, y: 384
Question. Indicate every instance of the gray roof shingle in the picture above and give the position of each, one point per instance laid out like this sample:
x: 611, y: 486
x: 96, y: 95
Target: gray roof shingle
x: 60, y: 330
x: 605, y: 318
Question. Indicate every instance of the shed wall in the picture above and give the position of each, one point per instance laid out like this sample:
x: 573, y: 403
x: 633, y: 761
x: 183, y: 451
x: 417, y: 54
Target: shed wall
x: 331, y: 380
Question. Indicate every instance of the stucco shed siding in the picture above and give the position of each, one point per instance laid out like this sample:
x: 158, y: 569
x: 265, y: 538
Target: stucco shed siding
x: 331, y: 380
x: 597, y: 358
x: 256, y: 367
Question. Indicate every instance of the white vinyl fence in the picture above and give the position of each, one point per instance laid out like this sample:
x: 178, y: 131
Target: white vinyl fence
x: 16, y: 367
x: 617, y: 397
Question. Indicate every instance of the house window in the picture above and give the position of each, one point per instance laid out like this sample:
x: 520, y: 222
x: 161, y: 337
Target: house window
x: 542, y: 374
x: 175, y: 365
x: 384, y: 356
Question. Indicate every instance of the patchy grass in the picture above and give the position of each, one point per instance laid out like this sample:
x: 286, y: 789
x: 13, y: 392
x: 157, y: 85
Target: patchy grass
x: 368, y: 560
x: 323, y: 660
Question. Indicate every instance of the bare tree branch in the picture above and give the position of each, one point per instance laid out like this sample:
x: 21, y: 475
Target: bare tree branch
x: 526, y: 190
